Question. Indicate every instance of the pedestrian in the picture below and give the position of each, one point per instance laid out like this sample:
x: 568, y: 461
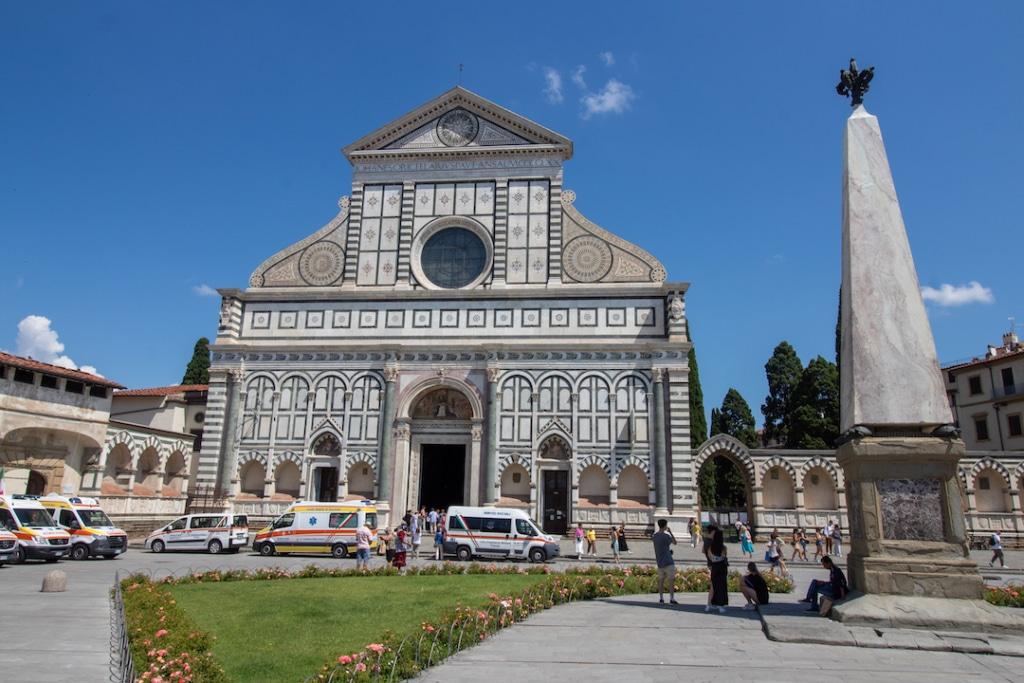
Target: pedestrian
x: 407, y: 518
x: 384, y: 543
x: 995, y: 544
x: 592, y: 542
x: 746, y: 542
x: 694, y: 531
x: 613, y: 535
x: 837, y: 540
x: 773, y: 554
x: 819, y: 545
x: 416, y: 537
x: 798, y: 543
x: 803, y: 544
x: 834, y: 589
x: 826, y: 531
x: 754, y: 587
x: 579, y: 534
x: 663, y: 540
x: 438, y: 541
x: 364, y: 536
x: 401, y: 547
x: 717, y: 556
x: 623, y: 544
x: 432, y: 519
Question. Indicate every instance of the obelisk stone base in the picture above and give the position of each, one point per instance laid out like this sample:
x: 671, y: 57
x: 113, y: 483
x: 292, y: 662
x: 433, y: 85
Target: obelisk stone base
x: 907, y: 531
x: 940, y: 614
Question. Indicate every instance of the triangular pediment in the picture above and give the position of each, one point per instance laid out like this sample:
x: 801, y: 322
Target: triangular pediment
x: 459, y: 121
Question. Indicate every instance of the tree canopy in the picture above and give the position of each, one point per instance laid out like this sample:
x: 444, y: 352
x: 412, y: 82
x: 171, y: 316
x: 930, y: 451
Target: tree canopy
x: 814, y: 417
x: 783, y: 371
x: 198, y: 370
x: 735, y: 419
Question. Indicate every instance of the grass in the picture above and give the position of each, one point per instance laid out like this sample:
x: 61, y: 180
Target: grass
x: 285, y: 630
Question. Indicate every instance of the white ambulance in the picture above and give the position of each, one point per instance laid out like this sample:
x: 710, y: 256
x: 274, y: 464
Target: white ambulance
x: 496, y: 532
x: 39, y: 537
x: 212, y: 532
x: 92, y: 532
x: 315, y: 527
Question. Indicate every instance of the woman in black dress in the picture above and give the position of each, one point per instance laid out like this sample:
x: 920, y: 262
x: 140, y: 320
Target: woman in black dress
x: 623, y: 545
x: 718, y: 561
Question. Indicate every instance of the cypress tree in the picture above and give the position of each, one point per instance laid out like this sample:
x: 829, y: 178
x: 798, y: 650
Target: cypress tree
x: 698, y: 420
x: 735, y: 419
x: 783, y: 371
x: 198, y: 370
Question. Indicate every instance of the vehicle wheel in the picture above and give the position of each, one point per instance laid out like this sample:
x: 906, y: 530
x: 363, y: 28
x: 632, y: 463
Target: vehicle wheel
x: 339, y: 550
x: 215, y: 547
x: 464, y: 553
x: 80, y: 551
x: 19, y: 555
x: 538, y: 555
x: 267, y: 549
x: 157, y: 546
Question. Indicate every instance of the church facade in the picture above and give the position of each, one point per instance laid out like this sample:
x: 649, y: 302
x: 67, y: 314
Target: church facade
x: 459, y: 333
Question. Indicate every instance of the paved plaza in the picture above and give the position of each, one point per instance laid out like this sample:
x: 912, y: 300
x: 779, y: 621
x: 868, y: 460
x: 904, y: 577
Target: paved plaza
x: 82, y: 649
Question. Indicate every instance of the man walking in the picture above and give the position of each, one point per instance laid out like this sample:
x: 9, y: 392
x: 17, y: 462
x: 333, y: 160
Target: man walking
x: 995, y: 543
x: 363, y: 537
x: 432, y: 520
x: 663, y: 540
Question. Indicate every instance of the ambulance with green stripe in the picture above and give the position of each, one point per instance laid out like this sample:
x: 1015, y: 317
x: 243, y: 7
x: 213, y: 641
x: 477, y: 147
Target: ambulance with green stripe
x: 310, y: 527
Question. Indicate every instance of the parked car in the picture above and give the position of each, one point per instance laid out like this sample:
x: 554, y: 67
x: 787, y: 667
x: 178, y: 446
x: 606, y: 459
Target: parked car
x: 213, y: 533
x: 92, y: 532
x: 496, y: 532
x: 317, y: 528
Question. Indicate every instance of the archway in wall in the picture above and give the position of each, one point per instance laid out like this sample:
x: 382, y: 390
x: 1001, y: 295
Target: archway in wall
x: 36, y: 485
x: 725, y: 493
x: 360, y: 481
x: 442, y: 446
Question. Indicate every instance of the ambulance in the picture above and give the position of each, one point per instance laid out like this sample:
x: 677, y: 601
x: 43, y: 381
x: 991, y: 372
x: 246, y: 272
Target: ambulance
x: 39, y: 537
x: 92, y: 532
x: 320, y: 528
x: 496, y: 532
x: 212, y: 532
x: 8, y: 545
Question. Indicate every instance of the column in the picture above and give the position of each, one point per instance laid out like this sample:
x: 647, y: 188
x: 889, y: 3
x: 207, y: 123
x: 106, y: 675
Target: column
x: 229, y: 444
x: 491, y: 454
x: 660, y: 487
x: 384, y: 466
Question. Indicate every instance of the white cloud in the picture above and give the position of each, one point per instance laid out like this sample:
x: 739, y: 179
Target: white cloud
x: 608, y: 58
x: 205, y: 290
x: 958, y: 295
x: 615, y: 97
x: 36, y: 339
x: 554, y: 85
x: 577, y: 77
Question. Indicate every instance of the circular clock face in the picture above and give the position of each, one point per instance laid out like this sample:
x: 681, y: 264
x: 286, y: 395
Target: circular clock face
x: 457, y: 128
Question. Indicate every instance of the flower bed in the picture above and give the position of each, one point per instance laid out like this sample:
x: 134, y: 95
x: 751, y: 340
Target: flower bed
x: 1005, y: 596
x: 167, y: 646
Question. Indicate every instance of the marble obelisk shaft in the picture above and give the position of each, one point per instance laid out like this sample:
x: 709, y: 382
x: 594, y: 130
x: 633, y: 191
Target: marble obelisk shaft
x: 890, y: 371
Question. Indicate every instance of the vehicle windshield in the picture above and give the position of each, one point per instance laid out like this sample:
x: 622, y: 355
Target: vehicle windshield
x: 371, y: 520
x: 525, y: 528
x: 240, y: 520
x: 32, y: 517
x: 284, y: 521
x: 94, y: 518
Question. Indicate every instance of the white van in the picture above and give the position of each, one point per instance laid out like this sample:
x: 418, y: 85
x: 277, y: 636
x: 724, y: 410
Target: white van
x: 496, y: 532
x: 92, y: 532
x: 316, y: 527
x: 210, y: 532
x: 39, y: 537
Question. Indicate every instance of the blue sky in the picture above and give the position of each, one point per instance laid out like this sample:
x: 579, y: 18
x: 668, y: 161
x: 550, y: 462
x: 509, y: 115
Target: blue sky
x: 152, y: 149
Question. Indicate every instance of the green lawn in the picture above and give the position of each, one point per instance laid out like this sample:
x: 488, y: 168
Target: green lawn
x: 285, y: 630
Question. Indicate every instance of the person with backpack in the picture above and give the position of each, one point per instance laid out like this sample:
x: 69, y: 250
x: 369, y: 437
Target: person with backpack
x: 995, y: 544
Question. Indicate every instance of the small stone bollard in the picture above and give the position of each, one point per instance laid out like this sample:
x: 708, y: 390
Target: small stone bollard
x: 55, y: 581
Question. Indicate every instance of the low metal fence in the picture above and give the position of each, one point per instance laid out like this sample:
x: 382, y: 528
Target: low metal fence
x: 122, y: 669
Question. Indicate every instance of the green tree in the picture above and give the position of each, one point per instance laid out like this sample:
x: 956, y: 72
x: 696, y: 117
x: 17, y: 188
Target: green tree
x: 721, y: 485
x: 783, y: 371
x: 198, y: 370
x: 814, y: 419
x: 698, y: 420
x: 735, y: 419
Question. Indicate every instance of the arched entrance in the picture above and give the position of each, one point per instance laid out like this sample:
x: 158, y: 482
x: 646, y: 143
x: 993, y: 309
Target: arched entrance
x: 725, y: 483
x: 442, y: 463
x: 554, y: 460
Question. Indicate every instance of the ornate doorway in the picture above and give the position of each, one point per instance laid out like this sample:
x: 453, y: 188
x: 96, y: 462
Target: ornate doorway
x: 442, y: 483
x: 556, y: 501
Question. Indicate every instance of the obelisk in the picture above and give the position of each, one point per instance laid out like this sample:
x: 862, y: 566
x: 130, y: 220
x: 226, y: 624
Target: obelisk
x: 899, y: 448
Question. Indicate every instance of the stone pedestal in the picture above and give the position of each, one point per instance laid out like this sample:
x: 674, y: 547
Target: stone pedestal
x: 907, y: 534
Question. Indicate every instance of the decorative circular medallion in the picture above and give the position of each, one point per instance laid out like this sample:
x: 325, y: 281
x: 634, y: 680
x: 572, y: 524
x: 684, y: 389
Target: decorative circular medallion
x: 587, y: 259
x: 457, y: 128
x: 321, y: 263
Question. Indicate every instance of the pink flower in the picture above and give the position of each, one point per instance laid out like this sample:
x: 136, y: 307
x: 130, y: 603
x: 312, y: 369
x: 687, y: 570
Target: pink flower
x: 161, y: 633
x: 360, y: 667
x: 344, y: 659
x: 377, y: 647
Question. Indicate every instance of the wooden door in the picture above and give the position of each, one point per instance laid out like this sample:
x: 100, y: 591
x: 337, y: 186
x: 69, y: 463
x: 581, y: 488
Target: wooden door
x: 556, y: 501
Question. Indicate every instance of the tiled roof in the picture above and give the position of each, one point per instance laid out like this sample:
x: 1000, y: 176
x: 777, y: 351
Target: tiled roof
x: 163, y: 391
x: 38, y: 366
x: 1001, y: 353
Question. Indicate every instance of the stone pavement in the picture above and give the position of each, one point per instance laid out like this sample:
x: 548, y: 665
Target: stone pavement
x: 635, y: 639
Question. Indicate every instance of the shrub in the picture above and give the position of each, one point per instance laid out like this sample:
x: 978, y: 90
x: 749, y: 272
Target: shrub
x: 1005, y: 596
